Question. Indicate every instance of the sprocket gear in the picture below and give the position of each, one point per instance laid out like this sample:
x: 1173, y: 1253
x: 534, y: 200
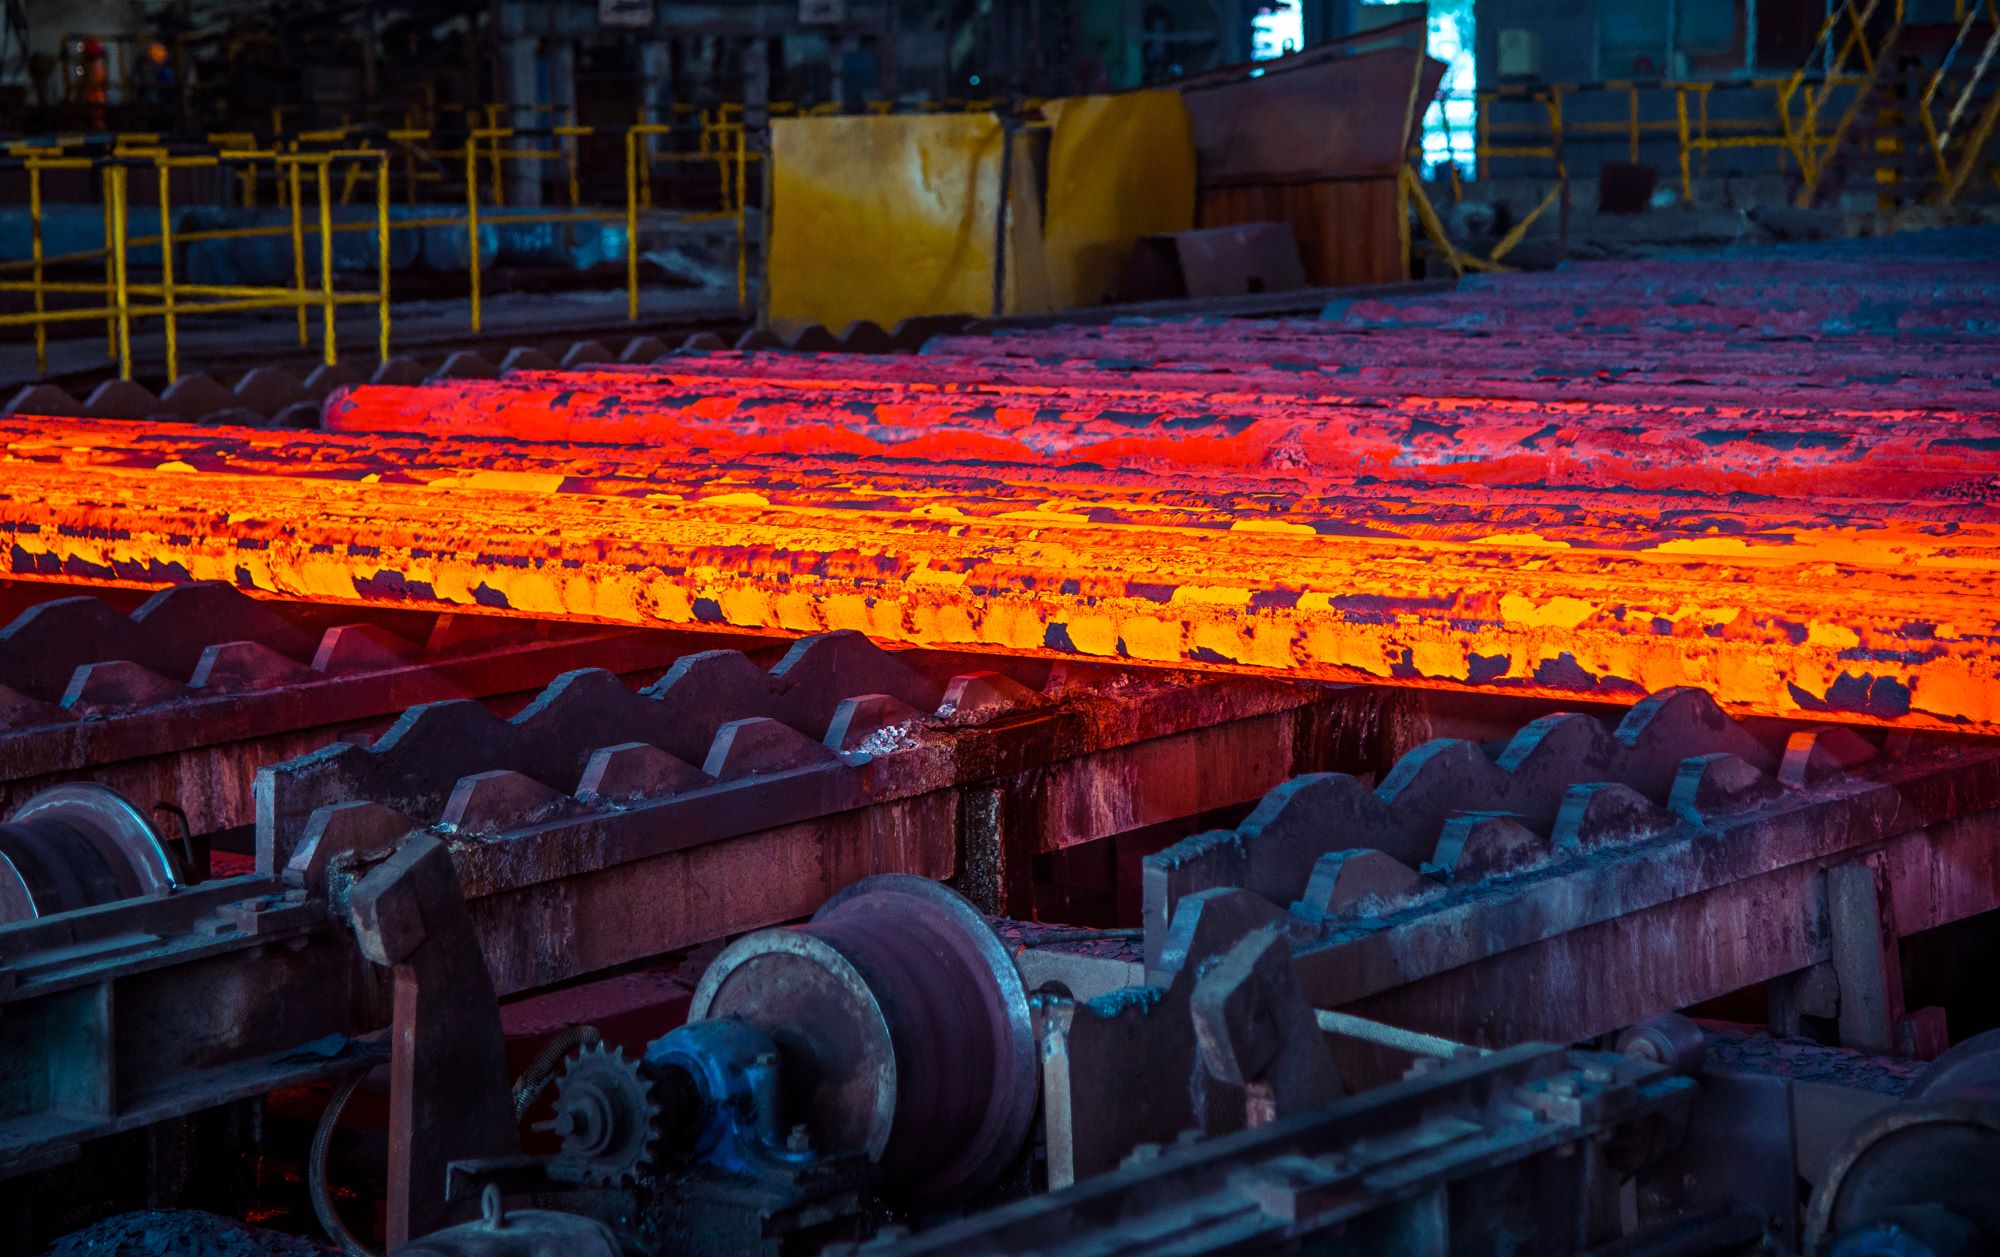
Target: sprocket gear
x: 606, y: 1116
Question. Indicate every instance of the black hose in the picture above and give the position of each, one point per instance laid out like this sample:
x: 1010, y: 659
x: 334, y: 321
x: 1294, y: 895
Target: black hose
x: 529, y: 1086
x: 322, y: 1199
x: 535, y: 1078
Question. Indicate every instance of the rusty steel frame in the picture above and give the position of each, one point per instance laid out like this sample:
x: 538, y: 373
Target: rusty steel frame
x: 1673, y: 859
x: 581, y: 844
x: 1446, y: 1162
x: 1739, y: 890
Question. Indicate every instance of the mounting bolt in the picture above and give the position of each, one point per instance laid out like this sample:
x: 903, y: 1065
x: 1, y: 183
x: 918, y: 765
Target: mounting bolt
x: 1602, y: 1074
x: 800, y: 1140
x: 1563, y: 1087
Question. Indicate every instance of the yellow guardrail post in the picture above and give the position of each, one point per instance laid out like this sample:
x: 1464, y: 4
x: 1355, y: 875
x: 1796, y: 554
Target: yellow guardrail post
x: 632, y: 137
x: 743, y: 216
x: 571, y: 143
x: 110, y: 250
x: 122, y: 294
x: 472, y: 218
x: 646, y: 190
x: 326, y: 255
x: 35, y: 250
x: 1681, y: 120
x: 1632, y: 121
x: 298, y: 245
x: 167, y: 271
x: 722, y: 168
x: 1701, y: 94
x: 382, y: 251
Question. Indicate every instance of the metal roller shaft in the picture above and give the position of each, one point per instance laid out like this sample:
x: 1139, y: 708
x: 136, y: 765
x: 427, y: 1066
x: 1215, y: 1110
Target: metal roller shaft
x: 77, y: 845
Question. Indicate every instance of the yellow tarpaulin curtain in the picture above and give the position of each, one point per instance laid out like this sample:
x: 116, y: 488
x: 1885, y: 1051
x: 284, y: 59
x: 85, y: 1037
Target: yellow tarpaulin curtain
x: 886, y: 217
x: 1120, y: 167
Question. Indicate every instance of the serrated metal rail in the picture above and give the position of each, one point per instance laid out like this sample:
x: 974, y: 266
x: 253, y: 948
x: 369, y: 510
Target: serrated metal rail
x: 1558, y: 885
x: 1656, y: 836
x: 600, y: 824
x: 178, y: 697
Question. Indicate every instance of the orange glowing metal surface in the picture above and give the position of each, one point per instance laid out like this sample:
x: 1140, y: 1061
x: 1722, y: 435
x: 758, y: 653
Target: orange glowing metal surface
x: 1307, y: 437
x: 1872, y: 611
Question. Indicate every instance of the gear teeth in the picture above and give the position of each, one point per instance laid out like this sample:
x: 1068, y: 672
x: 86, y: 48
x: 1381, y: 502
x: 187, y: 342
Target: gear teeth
x: 622, y: 1090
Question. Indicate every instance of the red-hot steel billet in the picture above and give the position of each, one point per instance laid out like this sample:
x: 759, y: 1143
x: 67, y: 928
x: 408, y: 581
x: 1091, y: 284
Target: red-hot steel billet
x: 1778, y: 606
x: 1297, y: 439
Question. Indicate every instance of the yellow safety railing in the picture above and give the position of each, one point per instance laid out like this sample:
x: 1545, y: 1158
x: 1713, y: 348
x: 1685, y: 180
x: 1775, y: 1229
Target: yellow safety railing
x: 309, y: 181
x: 1648, y: 110
x: 722, y: 142
x: 125, y: 298
x: 1701, y: 133
x: 1529, y: 140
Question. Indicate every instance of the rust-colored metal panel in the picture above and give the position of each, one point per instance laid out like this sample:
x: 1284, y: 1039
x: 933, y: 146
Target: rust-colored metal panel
x: 1312, y: 118
x: 1346, y: 228
x: 1317, y: 140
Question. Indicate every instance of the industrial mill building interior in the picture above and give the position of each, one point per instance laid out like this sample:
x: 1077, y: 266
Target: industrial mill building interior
x: 653, y: 628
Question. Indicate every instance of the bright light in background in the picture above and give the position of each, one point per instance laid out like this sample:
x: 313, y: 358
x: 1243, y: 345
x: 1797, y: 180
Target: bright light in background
x: 1451, y: 120
x: 1279, y: 29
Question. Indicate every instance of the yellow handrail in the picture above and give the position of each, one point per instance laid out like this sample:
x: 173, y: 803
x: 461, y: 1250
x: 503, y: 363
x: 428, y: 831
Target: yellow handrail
x: 1694, y: 132
x: 125, y: 297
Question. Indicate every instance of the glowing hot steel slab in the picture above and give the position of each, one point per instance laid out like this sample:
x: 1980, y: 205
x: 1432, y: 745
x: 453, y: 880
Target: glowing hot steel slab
x: 1777, y: 607
x: 1301, y: 438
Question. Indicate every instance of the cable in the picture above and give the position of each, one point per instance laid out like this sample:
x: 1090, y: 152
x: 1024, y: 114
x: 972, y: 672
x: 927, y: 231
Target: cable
x: 536, y: 1077
x: 322, y: 1199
